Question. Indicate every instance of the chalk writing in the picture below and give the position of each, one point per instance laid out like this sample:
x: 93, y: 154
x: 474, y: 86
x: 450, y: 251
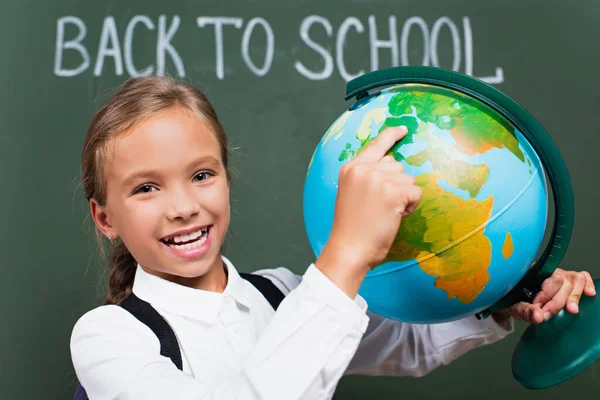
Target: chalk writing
x: 385, y: 38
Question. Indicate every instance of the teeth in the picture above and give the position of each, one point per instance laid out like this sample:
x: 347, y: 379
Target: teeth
x: 188, y: 237
x: 193, y: 245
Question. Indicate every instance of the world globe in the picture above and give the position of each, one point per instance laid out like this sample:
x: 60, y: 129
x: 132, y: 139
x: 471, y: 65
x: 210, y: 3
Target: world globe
x: 484, y: 207
x: 495, y: 218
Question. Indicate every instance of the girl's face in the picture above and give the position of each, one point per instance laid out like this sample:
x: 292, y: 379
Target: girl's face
x: 168, y: 197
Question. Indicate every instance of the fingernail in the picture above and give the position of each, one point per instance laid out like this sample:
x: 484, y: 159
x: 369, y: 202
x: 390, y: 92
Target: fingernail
x: 574, y: 306
x: 547, y: 315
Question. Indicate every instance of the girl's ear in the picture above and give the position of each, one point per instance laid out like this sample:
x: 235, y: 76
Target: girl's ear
x: 102, y: 220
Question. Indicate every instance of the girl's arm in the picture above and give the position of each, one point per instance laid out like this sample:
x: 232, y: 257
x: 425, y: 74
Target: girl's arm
x: 393, y: 348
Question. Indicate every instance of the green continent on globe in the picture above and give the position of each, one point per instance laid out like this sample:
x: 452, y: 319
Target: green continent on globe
x: 474, y: 131
x: 445, y: 234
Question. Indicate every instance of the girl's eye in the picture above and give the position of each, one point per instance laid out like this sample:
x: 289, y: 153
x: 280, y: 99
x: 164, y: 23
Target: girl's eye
x: 202, y: 176
x: 144, y: 189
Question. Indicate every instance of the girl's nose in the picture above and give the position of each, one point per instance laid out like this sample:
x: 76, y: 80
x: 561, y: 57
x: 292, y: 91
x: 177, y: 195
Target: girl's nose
x: 182, y: 206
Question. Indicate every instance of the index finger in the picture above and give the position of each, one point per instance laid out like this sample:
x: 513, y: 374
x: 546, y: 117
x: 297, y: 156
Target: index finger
x: 378, y: 147
x: 590, y: 288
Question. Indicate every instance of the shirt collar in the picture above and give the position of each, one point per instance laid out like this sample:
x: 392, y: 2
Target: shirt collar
x: 198, y: 304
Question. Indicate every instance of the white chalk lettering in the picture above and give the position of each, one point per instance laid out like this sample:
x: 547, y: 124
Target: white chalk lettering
x: 493, y: 80
x: 348, y: 23
x: 420, y: 22
x: 304, y: 29
x: 388, y: 46
x: 218, y: 22
x: 127, y: 46
x: 377, y: 44
x: 270, y: 46
x: 468, y: 46
x: 73, y: 44
x: 109, y: 34
x: 435, y: 31
x: 164, y: 45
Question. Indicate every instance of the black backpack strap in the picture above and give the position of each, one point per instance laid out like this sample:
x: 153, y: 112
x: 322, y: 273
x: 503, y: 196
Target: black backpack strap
x: 143, y: 311
x: 268, y: 289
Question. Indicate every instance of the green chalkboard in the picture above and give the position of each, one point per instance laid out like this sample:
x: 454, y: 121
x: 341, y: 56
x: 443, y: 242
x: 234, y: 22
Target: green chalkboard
x: 276, y: 72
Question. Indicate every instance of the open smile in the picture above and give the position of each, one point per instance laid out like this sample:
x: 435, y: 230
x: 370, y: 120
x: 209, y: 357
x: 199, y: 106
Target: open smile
x: 189, y: 245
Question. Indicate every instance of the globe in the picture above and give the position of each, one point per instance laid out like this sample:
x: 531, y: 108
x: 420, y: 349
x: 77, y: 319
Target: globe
x: 482, y: 216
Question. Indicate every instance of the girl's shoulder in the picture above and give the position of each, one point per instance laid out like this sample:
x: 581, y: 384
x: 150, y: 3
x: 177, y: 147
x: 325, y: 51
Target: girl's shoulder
x: 109, y: 349
x: 110, y: 323
x: 282, y: 277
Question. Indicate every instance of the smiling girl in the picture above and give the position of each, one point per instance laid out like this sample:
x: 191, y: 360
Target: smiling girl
x: 155, y: 172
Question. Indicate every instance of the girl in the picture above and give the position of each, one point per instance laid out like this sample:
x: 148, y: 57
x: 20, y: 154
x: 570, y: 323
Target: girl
x: 155, y: 172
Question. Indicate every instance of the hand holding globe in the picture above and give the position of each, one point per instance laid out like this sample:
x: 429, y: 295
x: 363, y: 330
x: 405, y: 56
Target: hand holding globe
x: 563, y: 289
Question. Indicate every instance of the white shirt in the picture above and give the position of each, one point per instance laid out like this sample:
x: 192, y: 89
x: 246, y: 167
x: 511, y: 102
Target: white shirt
x: 234, y: 346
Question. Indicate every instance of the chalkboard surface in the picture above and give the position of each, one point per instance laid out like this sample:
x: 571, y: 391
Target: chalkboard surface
x: 276, y: 72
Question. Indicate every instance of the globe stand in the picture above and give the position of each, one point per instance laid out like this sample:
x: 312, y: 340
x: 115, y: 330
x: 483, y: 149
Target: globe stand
x: 558, y: 349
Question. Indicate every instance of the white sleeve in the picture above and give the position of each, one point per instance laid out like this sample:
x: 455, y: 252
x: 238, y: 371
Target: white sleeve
x: 394, y: 348
x: 302, y: 353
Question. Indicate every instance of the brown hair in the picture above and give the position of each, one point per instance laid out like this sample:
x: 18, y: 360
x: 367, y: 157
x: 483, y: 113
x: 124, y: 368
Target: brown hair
x: 136, y: 100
